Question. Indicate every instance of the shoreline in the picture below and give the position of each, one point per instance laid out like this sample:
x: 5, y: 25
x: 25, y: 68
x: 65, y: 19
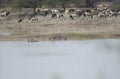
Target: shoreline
x: 47, y: 29
x: 58, y: 37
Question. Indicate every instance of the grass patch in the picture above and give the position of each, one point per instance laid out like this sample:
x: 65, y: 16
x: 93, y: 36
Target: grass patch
x: 76, y: 36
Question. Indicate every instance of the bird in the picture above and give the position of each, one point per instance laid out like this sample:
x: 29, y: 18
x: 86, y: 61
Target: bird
x: 71, y: 17
x: 20, y: 20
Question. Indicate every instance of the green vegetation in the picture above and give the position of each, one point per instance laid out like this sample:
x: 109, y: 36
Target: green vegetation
x: 76, y: 36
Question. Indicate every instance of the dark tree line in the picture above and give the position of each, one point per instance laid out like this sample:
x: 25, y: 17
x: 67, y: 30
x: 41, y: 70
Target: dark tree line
x: 50, y: 3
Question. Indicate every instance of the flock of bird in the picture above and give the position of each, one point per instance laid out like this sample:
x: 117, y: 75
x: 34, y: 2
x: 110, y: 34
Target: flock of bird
x: 69, y: 13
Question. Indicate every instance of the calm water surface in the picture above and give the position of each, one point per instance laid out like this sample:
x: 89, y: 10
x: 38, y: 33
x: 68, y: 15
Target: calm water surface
x: 90, y: 59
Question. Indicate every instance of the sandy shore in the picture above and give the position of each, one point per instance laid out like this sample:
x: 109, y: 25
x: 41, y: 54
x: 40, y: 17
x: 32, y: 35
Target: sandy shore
x: 60, y: 29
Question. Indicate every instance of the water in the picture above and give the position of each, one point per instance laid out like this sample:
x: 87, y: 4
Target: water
x: 91, y: 59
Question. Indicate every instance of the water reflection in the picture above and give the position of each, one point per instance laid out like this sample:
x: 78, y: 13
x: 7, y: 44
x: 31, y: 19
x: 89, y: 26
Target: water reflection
x: 109, y: 46
x: 101, y: 74
x: 91, y: 59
